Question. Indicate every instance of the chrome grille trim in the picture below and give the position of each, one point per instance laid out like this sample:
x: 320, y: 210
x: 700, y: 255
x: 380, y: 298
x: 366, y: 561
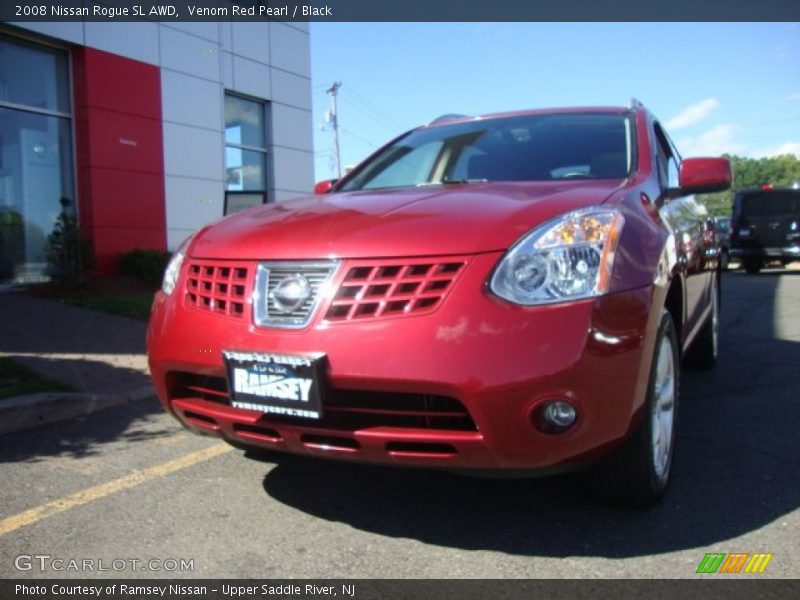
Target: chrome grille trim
x: 319, y: 275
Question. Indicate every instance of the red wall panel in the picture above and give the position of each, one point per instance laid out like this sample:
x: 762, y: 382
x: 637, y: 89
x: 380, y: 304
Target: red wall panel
x: 125, y: 142
x: 120, y: 84
x: 128, y: 199
x: 120, y: 155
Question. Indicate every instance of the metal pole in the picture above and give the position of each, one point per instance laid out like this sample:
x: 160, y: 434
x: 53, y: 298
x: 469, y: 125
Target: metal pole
x: 331, y: 91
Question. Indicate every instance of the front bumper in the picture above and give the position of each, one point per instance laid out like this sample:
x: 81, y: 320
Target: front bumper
x: 499, y: 362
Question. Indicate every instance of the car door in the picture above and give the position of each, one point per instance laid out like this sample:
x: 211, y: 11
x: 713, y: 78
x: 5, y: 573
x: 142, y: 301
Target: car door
x: 687, y: 220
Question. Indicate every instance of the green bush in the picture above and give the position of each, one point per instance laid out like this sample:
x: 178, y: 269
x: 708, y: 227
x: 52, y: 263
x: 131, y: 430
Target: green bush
x: 147, y: 265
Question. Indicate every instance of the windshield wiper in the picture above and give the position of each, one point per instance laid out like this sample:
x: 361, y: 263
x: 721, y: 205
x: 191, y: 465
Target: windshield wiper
x: 448, y: 181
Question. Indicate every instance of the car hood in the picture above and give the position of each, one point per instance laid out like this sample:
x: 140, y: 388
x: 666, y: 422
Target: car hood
x: 420, y: 221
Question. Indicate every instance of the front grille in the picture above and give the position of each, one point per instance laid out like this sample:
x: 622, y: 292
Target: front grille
x: 356, y: 409
x: 218, y: 286
x: 393, y: 288
x: 345, y: 410
x: 313, y: 277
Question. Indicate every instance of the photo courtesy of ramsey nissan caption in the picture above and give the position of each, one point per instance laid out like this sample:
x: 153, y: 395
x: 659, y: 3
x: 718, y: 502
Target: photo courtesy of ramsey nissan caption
x: 506, y: 294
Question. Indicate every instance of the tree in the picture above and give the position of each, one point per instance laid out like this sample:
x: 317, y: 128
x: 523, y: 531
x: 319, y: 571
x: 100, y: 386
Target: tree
x: 68, y: 252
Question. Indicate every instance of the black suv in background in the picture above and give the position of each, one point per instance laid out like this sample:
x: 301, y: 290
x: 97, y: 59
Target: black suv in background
x: 765, y: 227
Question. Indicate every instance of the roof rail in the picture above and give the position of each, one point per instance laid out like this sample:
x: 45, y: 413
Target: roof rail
x: 634, y: 103
x: 448, y: 117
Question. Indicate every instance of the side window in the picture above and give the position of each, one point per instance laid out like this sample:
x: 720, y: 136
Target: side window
x: 245, y: 153
x: 667, y: 159
x: 415, y: 166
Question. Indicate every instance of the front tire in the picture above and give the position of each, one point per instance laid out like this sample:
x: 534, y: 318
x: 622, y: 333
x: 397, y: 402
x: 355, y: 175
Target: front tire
x: 638, y: 473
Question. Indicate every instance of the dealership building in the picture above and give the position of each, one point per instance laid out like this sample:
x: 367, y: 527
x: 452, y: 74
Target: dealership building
x: 150, y: 130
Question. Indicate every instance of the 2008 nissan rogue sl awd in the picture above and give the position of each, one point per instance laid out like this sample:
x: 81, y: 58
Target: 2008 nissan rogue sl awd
x: 507, y: 293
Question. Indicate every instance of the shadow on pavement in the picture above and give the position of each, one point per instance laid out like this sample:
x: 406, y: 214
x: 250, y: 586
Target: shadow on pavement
x: 31, y: 325
x: 735, y: 470
x: 95, y: 353
x: 85, y: 437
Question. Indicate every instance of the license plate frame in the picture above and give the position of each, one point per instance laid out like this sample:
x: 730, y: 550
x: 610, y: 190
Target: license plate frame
x: 274, y: 383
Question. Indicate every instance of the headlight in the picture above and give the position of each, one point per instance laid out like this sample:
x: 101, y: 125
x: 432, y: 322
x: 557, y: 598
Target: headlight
x: 174, y: 267
x: 567, y: 258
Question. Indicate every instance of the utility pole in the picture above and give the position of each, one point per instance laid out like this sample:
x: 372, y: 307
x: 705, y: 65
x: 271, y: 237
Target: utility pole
x: 333, y: 118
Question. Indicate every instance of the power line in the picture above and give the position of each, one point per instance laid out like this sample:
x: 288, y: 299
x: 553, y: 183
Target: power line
x: 374, y: 107
x: 373, y: 116
x: 359, y: 138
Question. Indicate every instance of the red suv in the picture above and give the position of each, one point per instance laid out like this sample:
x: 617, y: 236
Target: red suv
x: 506, y: 293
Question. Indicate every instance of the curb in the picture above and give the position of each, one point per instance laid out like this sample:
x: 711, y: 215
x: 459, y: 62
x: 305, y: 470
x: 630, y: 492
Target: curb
x: 26, y: 412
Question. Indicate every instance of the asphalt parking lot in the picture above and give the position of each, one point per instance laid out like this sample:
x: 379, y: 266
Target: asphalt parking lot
x: 128, y: 484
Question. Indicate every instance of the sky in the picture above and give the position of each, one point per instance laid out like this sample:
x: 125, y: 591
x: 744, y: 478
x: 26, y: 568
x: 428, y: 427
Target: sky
x: 717, y: 87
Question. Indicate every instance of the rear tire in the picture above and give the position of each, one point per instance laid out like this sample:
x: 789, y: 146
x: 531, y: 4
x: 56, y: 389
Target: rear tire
x: 638, y: 473
x: 752, y: 265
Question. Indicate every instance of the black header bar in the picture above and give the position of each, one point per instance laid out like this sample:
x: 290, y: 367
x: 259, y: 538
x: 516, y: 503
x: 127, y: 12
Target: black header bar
x: 399, y: 10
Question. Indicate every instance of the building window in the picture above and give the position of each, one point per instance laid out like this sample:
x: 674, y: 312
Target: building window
x: 36, y: 169
x: 245, y: 153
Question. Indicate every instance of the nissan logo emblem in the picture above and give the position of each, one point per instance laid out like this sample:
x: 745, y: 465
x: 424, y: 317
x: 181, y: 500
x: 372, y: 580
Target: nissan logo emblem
x: 291, y: 293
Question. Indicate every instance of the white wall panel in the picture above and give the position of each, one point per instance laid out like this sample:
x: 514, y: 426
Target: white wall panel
x: 136, y: 40
x: 192, y: 203
x: 192, y: 152
x: 191, y: 101
x: 189, y: 54
x: 291, y: 127
x: 226, y: 36
x: 227, y: 70
x: 289, y: 49
x: 293, y: 170
x: 252, y: 40
x: 291, y: 89
x: 207, y: 30
x: 70, y: 32
x: 251, y: 77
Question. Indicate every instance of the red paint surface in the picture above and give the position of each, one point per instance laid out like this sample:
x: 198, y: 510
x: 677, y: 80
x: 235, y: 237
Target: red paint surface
x: 501, y: 361
x: 705, y: 174
x: 120, y: 156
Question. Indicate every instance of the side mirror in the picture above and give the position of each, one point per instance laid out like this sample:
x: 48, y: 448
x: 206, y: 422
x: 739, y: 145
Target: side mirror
x: 703, y: 175
x: 323, y: 187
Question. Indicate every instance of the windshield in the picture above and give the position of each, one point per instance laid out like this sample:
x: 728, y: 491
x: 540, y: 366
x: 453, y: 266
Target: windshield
x: 539, y: 147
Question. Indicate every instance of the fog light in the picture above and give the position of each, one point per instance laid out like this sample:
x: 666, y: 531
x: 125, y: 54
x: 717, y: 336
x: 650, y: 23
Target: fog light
x: 557, y: 416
